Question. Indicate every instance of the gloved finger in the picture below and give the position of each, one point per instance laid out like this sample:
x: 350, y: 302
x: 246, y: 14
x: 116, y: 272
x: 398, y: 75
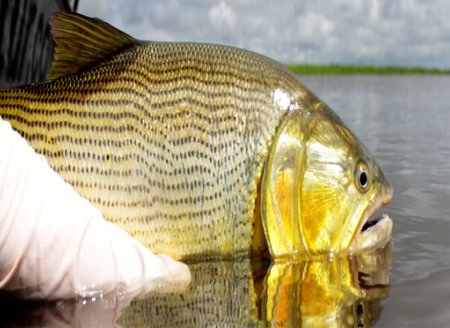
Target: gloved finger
x: 137, y: 269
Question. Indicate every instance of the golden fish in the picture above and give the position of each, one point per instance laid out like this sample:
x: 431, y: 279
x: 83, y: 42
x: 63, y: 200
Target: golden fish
x: 199, y: 150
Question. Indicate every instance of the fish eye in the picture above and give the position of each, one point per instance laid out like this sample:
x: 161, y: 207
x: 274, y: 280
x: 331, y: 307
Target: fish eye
x: 362, y: 176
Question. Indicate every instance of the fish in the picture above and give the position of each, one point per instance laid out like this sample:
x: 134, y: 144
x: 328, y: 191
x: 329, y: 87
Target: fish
x: 200, y: 150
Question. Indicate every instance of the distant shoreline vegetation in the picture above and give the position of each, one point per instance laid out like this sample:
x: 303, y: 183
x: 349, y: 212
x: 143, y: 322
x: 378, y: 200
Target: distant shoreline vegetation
x: 307, y: 69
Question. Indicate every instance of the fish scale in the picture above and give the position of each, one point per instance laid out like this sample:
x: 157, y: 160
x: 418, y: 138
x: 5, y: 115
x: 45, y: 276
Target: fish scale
x: 166, y: 139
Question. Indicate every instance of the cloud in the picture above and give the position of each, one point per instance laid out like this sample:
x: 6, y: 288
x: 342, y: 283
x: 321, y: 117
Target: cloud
x: 222, y: 16
x: 379, y: 32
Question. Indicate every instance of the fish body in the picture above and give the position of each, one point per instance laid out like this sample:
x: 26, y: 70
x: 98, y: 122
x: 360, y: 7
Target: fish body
x: 184, y: 145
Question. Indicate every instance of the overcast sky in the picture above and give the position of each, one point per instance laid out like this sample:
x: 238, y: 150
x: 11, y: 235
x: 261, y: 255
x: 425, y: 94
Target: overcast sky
x: 378, y: 32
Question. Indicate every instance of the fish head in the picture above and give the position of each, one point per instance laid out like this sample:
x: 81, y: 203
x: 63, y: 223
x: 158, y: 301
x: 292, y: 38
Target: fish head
x: 320, y: 186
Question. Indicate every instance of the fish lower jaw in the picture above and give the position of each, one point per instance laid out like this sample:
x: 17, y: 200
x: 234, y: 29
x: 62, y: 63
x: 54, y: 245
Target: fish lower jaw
x: 375, y: 234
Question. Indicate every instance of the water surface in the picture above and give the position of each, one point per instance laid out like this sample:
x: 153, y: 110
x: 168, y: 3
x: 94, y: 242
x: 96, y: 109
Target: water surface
x: 405, y: 122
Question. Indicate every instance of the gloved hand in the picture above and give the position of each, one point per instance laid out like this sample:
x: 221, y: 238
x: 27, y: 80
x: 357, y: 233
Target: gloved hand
x: 56, y: 245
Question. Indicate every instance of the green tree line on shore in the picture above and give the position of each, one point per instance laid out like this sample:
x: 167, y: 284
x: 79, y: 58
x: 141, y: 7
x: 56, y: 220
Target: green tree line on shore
x: 306, y: 69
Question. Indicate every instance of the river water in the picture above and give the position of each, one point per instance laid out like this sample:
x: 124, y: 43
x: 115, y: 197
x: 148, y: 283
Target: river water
x: 405, y: 122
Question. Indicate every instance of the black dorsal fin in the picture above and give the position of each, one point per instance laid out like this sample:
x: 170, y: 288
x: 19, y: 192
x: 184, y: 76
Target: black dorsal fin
x: 82, y: 41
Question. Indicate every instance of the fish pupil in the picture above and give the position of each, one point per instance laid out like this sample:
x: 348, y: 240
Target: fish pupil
x: 363, y: 179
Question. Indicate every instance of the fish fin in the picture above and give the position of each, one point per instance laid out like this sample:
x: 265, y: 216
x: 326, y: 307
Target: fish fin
x: 82, y: 41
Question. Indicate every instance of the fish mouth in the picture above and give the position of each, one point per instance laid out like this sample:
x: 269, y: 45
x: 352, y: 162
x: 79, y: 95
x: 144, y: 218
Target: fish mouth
x: 375, y: 230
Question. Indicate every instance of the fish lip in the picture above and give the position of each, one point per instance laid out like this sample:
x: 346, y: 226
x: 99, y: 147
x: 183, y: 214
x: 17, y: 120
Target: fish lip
x: 384, y: 223
x: 370, y: 210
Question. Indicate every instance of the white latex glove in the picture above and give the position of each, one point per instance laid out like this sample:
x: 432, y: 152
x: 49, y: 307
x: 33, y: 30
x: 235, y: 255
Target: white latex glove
x: 56, y: 245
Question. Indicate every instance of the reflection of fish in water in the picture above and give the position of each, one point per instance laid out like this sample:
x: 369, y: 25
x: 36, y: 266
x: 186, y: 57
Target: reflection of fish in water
x: 344, y: 292
x: 177, y: 142
x: 323, y: 293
